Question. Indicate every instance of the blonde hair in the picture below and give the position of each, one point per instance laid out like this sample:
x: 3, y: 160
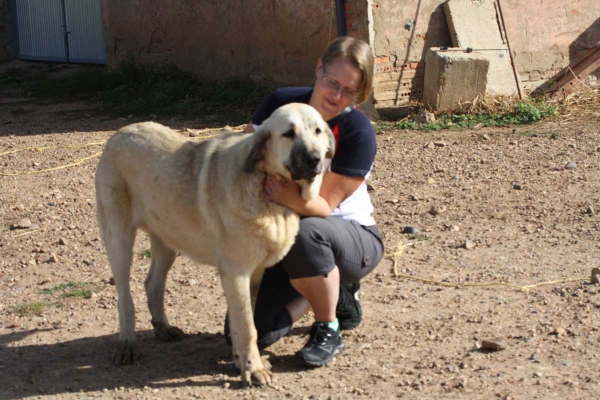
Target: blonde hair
x: 359, y: 54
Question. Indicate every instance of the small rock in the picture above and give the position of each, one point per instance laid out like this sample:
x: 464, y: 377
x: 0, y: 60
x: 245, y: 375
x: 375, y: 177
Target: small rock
x: 468, y: 245
x: 192, y: 282
x: 477, y: 126
x: 493, y: 344
x: 227, y: 128
x: 440, y: 144
x: 24, y: 223
x: 486, y: 137
x: 590, y: 210
x: 62, y: 242
x: 52, y: 203
x: 516, y: 186
x: 595, y: 275
x: 53, y: 258
x: 392, y: 201
x: 194, y: 133
x: 424, y: 117
x: 558, y: 332
x: 571, y: 165
x: 429, y: 145
x: 47, y: 280
x: 226, y: 385
x: 411, y: 230
x: 437, y: 210
x: 370, y: 187
x: 381, y: 132
x: 112, y: 281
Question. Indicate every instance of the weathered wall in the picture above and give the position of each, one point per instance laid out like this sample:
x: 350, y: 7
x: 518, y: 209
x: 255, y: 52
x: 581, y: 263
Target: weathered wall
x: 278, y: 40
x: 554, y: 34
x: 7, y: 44
x: 404, y: 31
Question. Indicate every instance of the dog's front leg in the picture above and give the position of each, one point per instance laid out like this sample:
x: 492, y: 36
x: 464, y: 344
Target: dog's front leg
x: 236, y: 284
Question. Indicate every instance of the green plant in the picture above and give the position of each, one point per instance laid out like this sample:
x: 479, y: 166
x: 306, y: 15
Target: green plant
x: 29, y: 309
x: 501, y: 114
x: 71, y: 289
x: 145, y: 253
x: 420, y: 237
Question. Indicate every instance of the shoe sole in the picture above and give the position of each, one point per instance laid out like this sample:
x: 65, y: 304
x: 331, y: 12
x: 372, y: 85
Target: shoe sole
x: 316, y: 364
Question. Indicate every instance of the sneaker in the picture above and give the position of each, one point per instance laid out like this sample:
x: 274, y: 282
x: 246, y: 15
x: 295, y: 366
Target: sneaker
x: 349, y: 311
x: 323, y: 344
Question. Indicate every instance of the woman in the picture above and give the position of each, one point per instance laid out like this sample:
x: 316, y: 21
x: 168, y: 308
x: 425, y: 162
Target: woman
x: 338, y: 243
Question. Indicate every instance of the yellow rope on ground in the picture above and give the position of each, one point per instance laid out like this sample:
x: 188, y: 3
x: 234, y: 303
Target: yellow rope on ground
x: 50, y: 169
x: 525, y: 288
x: 41, y: 149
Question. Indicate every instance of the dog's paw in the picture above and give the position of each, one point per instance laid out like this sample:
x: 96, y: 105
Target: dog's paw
x: 262, y: 377
x: 126, y: 353
x: 168, y: 333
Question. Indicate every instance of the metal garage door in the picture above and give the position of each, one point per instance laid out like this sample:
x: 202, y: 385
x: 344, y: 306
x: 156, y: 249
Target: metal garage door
x: 60, y: 30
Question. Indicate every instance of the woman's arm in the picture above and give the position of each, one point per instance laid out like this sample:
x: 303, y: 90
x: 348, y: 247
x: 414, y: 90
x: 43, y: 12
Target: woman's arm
x: 334, y: 189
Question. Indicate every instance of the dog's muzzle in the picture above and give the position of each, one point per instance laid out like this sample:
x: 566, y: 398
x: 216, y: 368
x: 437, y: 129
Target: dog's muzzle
x: 304, y: 164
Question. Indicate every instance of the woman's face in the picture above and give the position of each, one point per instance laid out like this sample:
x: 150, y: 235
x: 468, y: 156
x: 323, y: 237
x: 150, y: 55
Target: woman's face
x: 337, y: 87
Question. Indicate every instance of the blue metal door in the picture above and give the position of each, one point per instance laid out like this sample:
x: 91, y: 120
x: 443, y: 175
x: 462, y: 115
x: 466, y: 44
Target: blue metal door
x: 40, y: 30
x: 60, y: 30
x: 84, y: 31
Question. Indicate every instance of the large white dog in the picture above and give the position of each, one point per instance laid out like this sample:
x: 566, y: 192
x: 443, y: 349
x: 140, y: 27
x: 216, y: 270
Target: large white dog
x: 205, y: 200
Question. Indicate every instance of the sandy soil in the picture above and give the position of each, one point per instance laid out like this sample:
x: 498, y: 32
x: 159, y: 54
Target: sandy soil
x: 494, y: 205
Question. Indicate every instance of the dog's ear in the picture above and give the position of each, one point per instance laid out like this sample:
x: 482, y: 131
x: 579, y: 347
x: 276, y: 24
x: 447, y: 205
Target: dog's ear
x: 331, y: 148
x: 259, y: 139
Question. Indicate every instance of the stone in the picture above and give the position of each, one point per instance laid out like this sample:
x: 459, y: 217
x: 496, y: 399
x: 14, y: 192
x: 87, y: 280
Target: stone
x: 23, y: 223
x: 493, y: 344
x: 595, y: 275
x: 516, y: 186
x: 468, y: 245
x: 437, y: 210
x: 411, y: 230
x: 424, y: 117
x: 571, y: 165
x: 452, y: 77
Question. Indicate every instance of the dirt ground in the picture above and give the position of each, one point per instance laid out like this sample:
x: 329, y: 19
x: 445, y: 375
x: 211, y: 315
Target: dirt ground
x: 490, y: 205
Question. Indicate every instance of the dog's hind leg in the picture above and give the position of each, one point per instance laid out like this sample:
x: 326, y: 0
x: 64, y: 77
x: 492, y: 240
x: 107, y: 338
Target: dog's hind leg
x: 119, y: 239
x: 163, y: 258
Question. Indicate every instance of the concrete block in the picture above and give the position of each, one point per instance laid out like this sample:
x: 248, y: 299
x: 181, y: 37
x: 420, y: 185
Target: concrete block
x: 501, y: 78
x: 473, y: 24
x: 453, y: 76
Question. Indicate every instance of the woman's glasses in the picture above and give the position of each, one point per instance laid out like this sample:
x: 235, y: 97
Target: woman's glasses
x: 335, y: 85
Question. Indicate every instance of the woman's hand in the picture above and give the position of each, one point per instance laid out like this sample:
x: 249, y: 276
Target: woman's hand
x: 281, y: 191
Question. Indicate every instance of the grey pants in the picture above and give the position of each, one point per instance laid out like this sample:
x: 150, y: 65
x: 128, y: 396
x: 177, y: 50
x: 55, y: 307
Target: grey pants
x: 321, y: 245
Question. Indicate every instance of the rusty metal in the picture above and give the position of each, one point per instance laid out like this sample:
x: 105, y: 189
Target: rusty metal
x: 577, y: 73
x: 512, y: 61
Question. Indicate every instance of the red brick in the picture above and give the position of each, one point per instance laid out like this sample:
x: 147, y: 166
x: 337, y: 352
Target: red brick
x: 382, y: 59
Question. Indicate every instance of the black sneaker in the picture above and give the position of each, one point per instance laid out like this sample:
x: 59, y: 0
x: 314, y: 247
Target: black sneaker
x: 323, y: 344
x: 349, y: 311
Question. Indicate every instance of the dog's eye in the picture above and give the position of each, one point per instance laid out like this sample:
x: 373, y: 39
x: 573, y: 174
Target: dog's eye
x: 318, y: 130
x: 289, y: 134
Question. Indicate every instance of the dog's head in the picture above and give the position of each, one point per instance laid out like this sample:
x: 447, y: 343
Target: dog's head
x: 294, y: 142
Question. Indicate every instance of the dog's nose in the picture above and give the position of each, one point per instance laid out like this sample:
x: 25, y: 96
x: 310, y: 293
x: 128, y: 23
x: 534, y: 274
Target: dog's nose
x: 312, y: 159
